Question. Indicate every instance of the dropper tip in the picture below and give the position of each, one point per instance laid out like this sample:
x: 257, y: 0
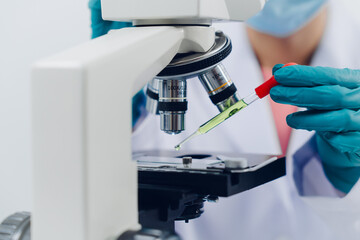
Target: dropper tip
x: 178, y: 147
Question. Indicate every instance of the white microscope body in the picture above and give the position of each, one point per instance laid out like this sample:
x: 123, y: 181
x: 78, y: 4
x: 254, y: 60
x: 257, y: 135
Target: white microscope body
x: 85, y: 185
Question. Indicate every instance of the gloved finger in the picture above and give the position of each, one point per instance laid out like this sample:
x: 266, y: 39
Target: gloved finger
x: 94, y: 4
x: 343, y: 120
x: 348, y: 142
x: 277, y: 67
x: 306, y: 76
x: 138, y: 106
x: 319, y: 97
x: 340, y: 158
x: 98, y: 25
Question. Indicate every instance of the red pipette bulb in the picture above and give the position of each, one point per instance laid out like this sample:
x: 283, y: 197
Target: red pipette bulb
x: 264, y: 89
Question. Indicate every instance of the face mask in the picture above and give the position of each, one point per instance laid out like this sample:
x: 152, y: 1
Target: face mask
x: 281, y: 18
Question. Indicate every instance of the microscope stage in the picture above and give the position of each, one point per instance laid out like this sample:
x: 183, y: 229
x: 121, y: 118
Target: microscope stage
x: 173, y: 186
x: 208, y: 174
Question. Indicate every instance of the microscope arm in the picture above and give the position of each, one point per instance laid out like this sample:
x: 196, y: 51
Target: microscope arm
x: 85, y: 183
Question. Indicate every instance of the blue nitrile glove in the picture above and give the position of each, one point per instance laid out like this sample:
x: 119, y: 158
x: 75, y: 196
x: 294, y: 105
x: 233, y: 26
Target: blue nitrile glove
x: 332, y: 97
x: 98, y: 25
x: 138, y: 106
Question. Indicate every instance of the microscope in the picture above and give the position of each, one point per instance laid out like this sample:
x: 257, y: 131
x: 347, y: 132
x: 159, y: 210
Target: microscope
x: 88, y: 185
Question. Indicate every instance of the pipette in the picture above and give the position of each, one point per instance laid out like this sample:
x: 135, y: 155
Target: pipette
x: 260, y: 92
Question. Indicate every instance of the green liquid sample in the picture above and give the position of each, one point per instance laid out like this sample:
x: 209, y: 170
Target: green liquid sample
x: 221, y: 117
x: 212, y: 123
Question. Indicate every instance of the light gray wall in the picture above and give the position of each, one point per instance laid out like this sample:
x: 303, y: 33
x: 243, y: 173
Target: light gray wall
x: 29, y: 30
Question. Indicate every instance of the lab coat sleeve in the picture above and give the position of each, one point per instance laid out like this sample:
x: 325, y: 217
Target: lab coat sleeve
x: 309, y: 176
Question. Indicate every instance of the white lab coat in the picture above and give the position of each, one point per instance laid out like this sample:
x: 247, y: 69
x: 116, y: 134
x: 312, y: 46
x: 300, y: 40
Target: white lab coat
x: 274, y: 210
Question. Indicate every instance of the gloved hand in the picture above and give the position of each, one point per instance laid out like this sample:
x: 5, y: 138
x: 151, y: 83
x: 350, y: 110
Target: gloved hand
x: 332, y: 99
x: 98, y: 25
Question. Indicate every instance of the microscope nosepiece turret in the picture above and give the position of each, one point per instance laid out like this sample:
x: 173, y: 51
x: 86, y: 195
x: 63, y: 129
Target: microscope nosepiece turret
x: 170, y: 84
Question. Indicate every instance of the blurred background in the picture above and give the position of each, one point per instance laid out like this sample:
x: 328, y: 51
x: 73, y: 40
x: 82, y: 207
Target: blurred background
x: 31, y: 30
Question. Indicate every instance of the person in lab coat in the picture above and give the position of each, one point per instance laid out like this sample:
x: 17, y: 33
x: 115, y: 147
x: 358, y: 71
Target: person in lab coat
x: 321, y: 163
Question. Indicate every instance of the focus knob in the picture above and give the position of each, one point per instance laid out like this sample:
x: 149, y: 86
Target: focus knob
x: 16, y: 227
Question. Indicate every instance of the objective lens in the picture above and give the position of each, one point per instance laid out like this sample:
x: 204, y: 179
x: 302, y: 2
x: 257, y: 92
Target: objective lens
x: 172, y: 105
x: 221, y: 90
